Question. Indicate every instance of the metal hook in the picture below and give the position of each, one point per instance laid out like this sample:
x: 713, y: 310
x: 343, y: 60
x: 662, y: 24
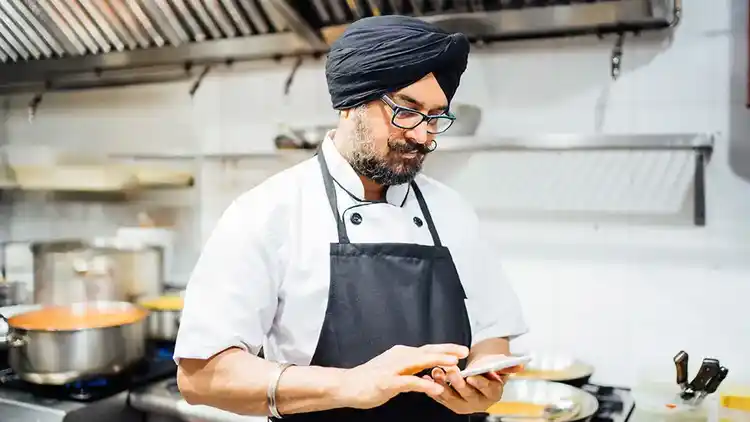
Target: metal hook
x: 33, y: 105
x: 617, y: 56
x: 198, y: 81
x: 290, y: 78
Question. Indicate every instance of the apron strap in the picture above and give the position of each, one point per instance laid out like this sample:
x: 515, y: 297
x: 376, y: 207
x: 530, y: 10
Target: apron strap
x: 426, y: 214
x: 331, y: 194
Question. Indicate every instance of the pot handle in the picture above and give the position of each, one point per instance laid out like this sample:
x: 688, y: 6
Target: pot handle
x: 14, y: 340
x: 11, y: 338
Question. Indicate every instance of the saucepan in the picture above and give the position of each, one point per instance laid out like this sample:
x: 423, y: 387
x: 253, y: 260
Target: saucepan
x: 558, y: 368
x: 164, y: 317
x: 59, y: 344
x: 538, y: 400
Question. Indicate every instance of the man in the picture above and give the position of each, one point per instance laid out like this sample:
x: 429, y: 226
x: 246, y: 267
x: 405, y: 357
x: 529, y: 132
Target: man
x: 370, y: 278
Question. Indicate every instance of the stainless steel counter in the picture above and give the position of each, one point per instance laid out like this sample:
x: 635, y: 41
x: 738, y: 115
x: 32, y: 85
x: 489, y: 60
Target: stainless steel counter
x: 162, y: 399
x: 19, y: 406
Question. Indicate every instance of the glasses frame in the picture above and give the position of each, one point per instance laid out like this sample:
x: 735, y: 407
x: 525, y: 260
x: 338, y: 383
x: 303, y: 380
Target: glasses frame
x: 425, y: 118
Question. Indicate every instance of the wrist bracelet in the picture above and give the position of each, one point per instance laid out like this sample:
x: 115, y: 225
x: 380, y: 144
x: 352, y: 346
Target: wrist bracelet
x: 273, y: 385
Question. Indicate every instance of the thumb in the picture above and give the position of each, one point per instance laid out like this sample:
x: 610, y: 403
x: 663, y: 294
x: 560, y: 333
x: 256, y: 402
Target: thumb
x: 411, y: 383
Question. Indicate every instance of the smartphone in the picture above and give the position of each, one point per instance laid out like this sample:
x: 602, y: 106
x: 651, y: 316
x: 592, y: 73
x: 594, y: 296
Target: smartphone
x: 497, y: 365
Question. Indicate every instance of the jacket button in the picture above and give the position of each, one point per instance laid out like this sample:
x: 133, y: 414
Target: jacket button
x: 356, y: 218
x: 418, y: 221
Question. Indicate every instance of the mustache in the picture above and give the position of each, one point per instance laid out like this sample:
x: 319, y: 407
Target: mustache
x: 408, y: 146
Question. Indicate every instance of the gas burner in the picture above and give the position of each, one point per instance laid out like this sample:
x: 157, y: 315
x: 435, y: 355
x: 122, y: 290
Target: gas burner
x: 161, y: 350
x: 92, y: 389
x: 615, y: 404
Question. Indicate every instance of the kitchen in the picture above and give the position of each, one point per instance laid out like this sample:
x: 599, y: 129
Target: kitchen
x: 600, y: 285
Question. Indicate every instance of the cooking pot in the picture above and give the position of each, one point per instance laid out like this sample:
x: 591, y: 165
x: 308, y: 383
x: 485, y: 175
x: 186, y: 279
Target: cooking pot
x: 523, y: 398
x: 164, y: 316
x: 73, y: 271
x: 12, y: 293
x: 558, y: 368
x: 59, y: 344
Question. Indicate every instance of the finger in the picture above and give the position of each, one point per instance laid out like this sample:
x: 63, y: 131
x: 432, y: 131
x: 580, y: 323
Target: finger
x: 481, y: 384
x: 448, y: 348
x: 458, y: 383
x: 491, y: 390
x: 420, y: 361
x: 449, y: 396
x: 409, y: 383
x: 438, y: 374
x: 511, y: 370
x: 494, y: 376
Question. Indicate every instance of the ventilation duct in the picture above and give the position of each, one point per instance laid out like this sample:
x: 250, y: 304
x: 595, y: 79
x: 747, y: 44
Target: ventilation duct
x: 72, y: 44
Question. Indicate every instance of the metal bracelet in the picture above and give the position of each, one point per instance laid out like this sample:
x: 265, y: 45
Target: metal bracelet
x: 272, y: 386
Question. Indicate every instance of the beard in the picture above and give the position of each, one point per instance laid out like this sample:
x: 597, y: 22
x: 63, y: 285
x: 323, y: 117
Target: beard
x: 394, y: 167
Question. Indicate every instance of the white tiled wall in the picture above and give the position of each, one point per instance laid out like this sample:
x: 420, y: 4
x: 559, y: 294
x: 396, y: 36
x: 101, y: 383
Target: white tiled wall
x: 625, y: 297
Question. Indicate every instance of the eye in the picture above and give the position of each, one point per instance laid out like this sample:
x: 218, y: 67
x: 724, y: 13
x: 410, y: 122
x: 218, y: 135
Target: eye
x: 406, y: 114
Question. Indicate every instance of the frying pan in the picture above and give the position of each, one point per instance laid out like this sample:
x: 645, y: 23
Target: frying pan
x: 557, y: 368
x: 540, y: 393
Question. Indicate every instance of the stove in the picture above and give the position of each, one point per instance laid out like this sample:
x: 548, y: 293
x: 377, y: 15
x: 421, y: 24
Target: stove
x: 615, y: 404
x: 99, y: 398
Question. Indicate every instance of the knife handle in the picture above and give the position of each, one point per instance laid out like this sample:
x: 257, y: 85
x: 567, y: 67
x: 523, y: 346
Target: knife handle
x: 681, y: 366
x: 713, y: 385
x: 709, y: 369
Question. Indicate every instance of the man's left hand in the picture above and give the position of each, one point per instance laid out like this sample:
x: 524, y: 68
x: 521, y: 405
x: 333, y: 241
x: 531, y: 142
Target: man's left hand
x: 472, y: 394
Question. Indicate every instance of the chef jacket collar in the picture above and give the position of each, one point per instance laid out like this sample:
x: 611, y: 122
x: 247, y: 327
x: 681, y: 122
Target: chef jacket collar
x: 345, y: 176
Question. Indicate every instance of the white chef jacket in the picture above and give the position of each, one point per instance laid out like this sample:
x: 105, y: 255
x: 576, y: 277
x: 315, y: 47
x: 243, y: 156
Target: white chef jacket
x: 263, y: 276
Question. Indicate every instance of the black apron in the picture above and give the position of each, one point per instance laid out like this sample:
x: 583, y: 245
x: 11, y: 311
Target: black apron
x: 386, y: 294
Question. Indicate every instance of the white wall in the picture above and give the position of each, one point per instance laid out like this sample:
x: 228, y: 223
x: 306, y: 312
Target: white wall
x: 624, y: 297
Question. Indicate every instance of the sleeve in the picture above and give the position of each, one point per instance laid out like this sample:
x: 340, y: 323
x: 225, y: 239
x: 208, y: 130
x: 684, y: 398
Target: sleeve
x: 231, y: 296
x: 493, y: 306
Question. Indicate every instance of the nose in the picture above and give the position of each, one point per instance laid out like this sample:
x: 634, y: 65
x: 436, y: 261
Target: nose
x: 419, y: 133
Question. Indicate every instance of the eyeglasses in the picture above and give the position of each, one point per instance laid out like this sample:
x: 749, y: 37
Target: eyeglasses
x: 407, y: 118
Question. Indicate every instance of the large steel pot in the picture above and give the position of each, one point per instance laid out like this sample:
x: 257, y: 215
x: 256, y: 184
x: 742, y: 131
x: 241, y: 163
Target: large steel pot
x: 58, y: 356
x: 98, y: 270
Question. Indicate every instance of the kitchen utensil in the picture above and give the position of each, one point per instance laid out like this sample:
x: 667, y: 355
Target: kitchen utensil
x: 709, y: 369
x: 164, y: 317
x: 69, y: 271
x: 681, y: 367
x: 9, y: 311
x: 563, y: 402
x: 564, y: 409
x: 713, y: 384
x: 44, y: 348
x: 559, y: 368
x: 13, y: 293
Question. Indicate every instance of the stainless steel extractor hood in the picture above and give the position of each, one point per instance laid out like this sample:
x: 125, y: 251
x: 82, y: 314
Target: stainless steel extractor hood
x: 59, y: 44
x: 69, y: 44
x: 511, y: 19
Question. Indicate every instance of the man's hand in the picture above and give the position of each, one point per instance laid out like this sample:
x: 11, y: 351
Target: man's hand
x: 473, y: 394
x: 377, y: 381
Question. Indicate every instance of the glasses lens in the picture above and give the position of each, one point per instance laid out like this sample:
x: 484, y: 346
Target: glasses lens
x: 440, y: 124
x: 407, y: 119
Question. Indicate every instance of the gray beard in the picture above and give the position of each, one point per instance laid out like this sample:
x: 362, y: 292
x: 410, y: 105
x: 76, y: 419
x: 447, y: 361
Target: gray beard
x: 366, y: 161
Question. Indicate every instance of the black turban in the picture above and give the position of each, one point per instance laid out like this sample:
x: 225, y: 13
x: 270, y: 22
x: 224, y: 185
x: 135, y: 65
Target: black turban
x: 383, y: 54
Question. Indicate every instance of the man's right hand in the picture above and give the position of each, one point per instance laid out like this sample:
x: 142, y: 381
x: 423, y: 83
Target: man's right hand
x: 391, y: 373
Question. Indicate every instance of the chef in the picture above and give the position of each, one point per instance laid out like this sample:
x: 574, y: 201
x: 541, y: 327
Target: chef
x: 364, y: 285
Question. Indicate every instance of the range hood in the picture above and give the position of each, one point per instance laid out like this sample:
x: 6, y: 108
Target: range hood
x: 72, y: 44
